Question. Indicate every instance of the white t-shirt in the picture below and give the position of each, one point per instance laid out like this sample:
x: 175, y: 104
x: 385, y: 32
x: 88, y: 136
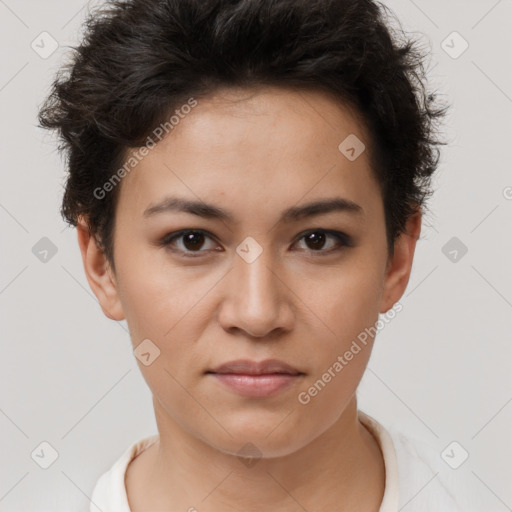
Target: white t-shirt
x: 417, y: 478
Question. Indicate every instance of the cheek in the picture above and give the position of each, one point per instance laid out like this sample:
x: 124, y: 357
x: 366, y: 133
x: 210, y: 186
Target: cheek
x: 347, y: 301
x: 144, y: 300
x: 147, y: 287
x: 348, y: 309
x: 166, y: 306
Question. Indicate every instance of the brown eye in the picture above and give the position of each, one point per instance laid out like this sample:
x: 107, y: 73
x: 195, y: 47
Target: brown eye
x: 317, y: 240
x: 192, y: 240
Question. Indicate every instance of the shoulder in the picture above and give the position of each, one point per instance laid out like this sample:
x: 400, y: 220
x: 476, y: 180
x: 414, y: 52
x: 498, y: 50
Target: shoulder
x: 109, y: 493
x: 425, y: 481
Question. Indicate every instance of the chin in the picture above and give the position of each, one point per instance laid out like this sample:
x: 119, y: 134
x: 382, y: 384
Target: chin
x: 259, y: 438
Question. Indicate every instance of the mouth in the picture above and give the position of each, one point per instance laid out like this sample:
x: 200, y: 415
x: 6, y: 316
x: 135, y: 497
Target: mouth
x: 256, y: 379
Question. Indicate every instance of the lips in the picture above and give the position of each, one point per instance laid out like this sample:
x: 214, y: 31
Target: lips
x: 252, y: 379
x: 248, y: 367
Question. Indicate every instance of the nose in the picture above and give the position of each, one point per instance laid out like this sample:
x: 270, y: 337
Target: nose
x: 256, y: 300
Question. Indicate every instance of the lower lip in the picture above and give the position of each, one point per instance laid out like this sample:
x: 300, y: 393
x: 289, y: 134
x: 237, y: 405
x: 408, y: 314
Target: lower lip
x: 256, y: 386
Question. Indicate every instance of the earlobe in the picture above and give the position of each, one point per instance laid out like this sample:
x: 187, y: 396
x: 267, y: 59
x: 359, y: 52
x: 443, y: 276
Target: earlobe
x: 98, y: 272
x: 399, y: 267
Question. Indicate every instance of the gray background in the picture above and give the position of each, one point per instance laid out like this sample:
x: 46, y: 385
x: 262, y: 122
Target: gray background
x: 440, y: 370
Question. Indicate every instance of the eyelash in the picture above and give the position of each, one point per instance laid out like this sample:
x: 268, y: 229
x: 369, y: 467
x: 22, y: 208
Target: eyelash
x: 345, y: 240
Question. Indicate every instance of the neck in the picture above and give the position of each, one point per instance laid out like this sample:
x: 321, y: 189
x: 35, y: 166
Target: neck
x: 341, y: 470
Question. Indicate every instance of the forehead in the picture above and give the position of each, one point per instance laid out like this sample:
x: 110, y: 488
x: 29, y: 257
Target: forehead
x: 265, y: 145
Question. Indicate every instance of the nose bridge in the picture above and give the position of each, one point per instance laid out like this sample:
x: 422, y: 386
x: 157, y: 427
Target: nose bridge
x: 257, y: 302
x: 257, y: 281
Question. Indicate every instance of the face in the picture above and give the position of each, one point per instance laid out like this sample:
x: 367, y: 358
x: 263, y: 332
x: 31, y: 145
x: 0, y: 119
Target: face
x: 265, y: 279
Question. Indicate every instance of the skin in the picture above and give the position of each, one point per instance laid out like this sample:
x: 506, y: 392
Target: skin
x: 268, y: 150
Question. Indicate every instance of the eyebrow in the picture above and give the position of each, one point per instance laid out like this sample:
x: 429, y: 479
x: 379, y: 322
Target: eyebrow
x: 295, y: 213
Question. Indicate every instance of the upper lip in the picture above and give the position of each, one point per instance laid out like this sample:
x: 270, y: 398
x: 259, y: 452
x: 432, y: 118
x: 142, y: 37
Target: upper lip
x: 248, y: 367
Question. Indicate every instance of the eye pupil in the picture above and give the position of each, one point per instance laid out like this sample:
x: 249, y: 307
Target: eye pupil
x: 318, y: 239
x: 193, y: 240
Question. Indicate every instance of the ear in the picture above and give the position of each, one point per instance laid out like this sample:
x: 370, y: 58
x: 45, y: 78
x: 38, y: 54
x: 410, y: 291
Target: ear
x: 399, y: 266
x: 98, y: 272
